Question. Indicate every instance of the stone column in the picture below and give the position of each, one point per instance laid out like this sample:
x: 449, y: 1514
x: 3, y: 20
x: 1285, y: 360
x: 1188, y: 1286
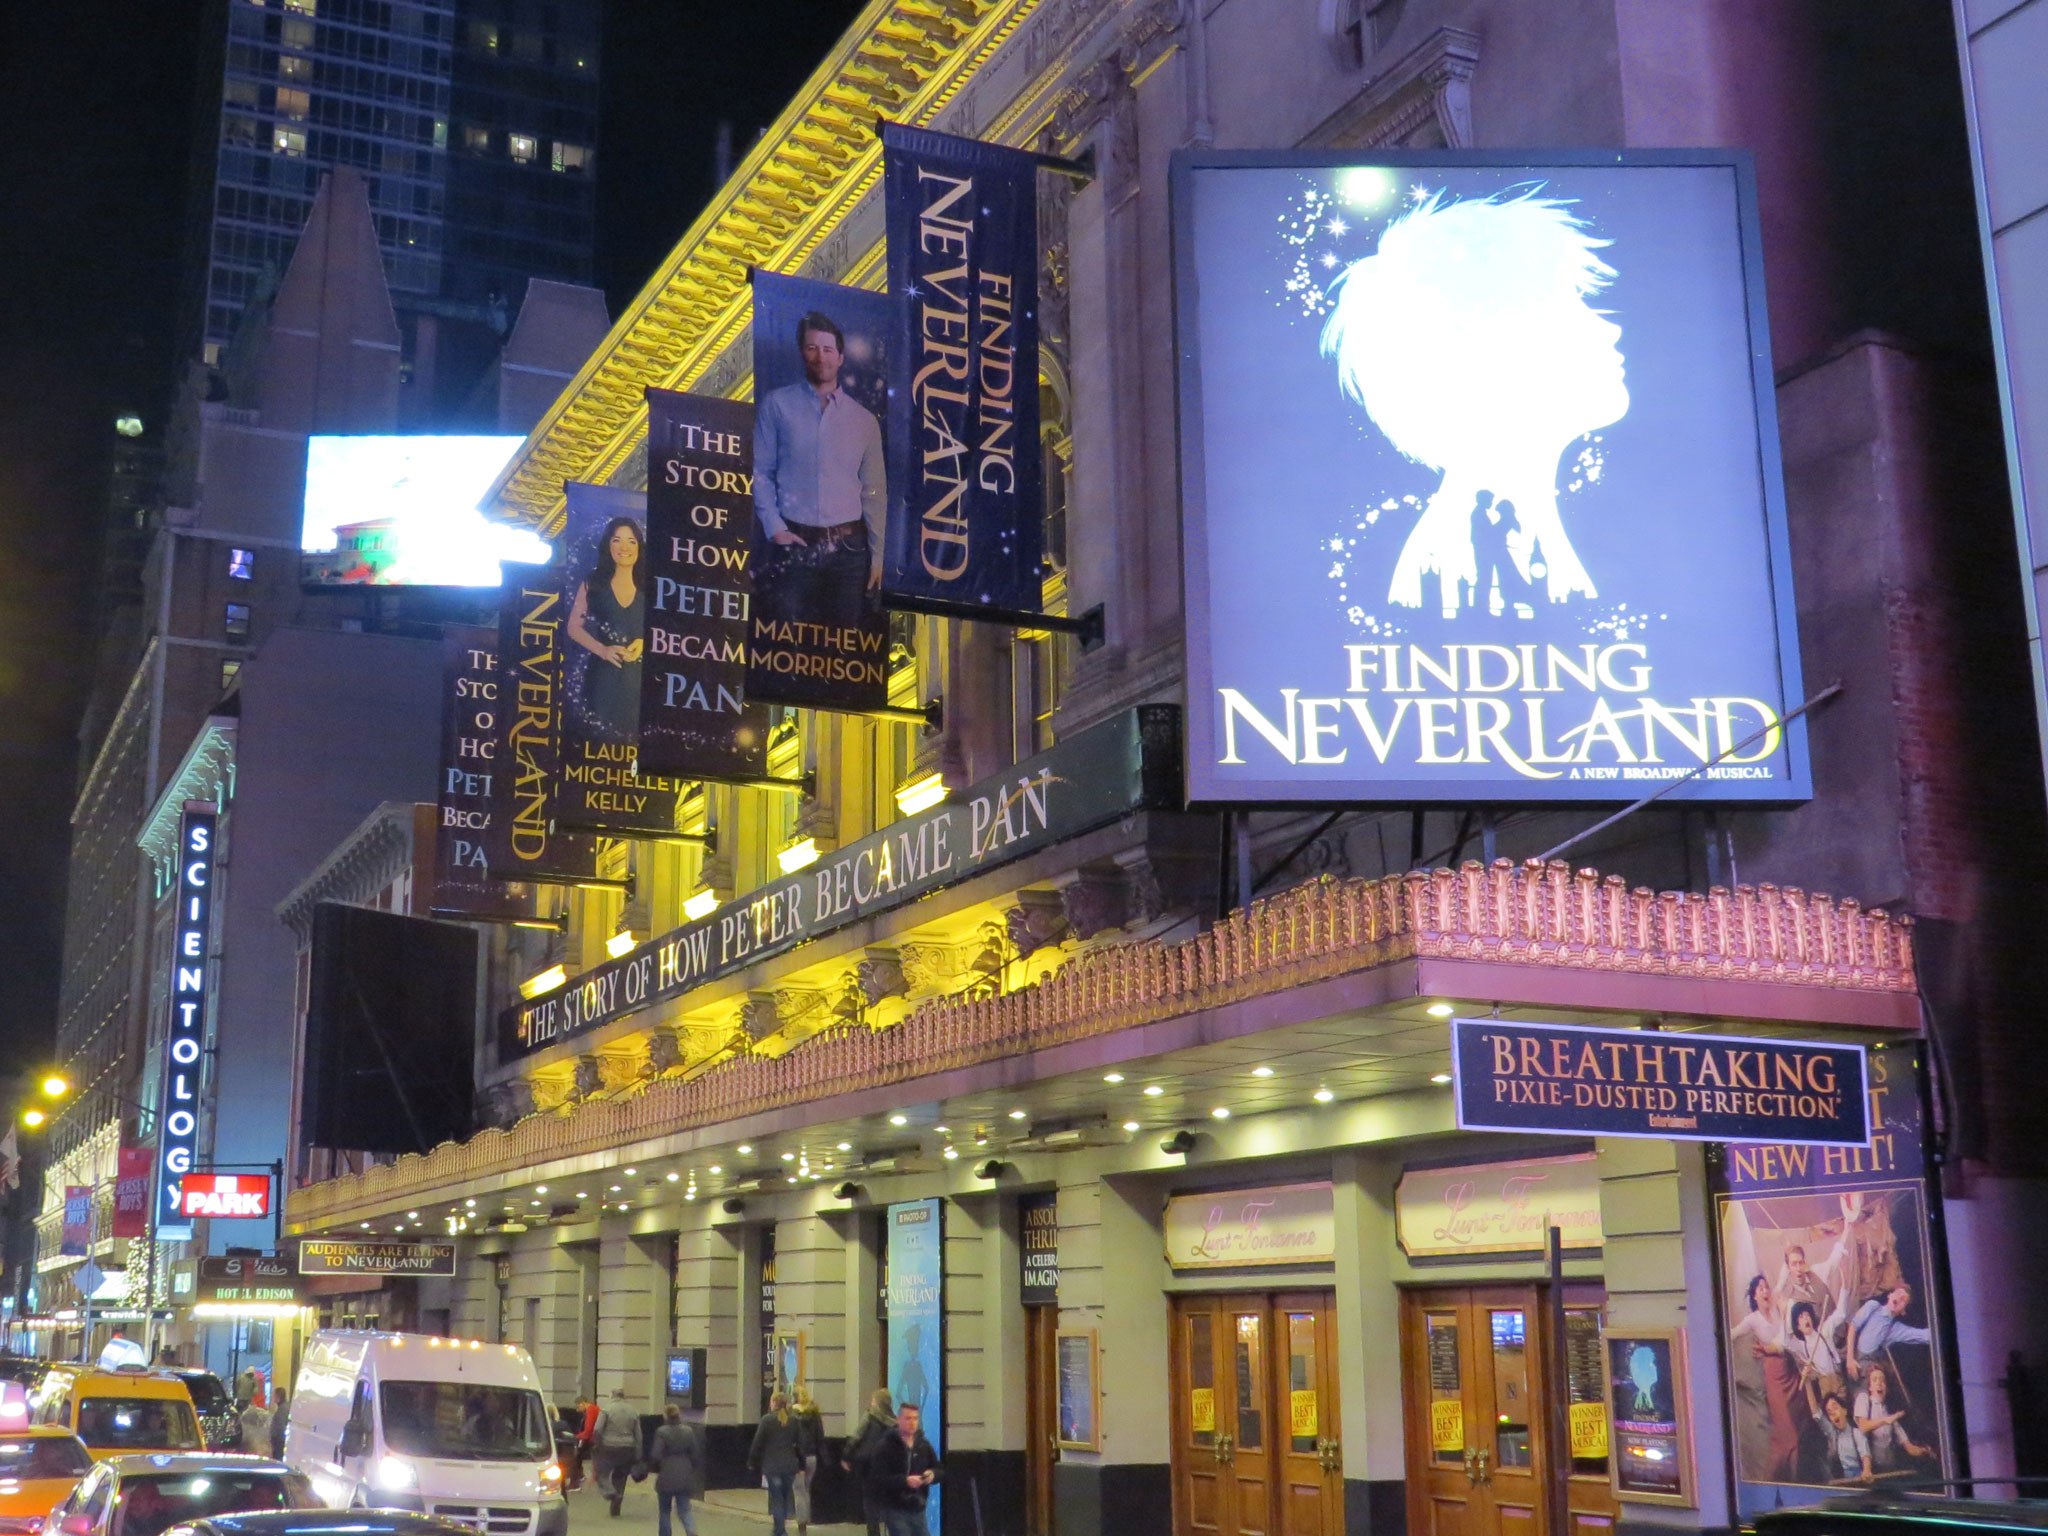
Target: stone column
x: 810, y: 1285
x: 546, y: 1272
x: 707, y: 1299
x: 1368, y: 1342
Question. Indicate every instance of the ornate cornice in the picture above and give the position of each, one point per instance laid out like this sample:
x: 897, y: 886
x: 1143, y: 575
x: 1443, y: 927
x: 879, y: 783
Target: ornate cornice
x: 903, y: 60
x: 206, y: 773
x: 1546, y: 917
x: 365, y: 862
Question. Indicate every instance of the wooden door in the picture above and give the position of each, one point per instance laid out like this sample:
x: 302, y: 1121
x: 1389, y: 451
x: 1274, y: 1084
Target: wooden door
x: 1310, y: 1463
x: 1479, y: 1401
x: 1041, y: 1425
x: 1254, y: 1406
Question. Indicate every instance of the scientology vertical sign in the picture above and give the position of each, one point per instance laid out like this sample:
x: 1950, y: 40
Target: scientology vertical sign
x: 177, y: 1137
x: 966, y: 506
x: 1479, y: 477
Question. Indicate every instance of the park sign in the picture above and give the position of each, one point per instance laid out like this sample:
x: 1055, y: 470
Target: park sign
x: 1121, y: 765
x: 1480, y: 489
x: 1575, y: 1080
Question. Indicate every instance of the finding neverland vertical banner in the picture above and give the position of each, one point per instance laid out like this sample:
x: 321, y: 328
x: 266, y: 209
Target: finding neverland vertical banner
x: 521, y: 840
x: 966, y: 506
x: 601, y: 561
x: 463, y: 883
x: 1833, y: 1338
x: 694, y: 718
x: 821, y: 395
x: 917, y: 1310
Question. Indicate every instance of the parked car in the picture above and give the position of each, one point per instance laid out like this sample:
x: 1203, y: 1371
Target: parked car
x: 39, y: 1467
x: 451, y: 1427
x: 119, y: 1412
x: 1930, y: 1509
x: 318, y: 1522
x: 218, y: 1420
x: 154, y: 1493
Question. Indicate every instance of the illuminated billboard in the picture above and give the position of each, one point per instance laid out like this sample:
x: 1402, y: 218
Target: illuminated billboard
x: 1479, y: 480
x: 402, y: 511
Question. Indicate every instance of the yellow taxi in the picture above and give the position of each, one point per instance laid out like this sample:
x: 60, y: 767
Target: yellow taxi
x: 119, y: 1412
x: 39, y: 1466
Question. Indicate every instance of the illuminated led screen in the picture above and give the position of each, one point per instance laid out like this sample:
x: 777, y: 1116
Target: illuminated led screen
x: 402, y: 511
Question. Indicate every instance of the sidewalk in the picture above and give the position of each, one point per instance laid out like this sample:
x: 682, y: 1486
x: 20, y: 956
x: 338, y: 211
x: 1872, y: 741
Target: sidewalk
x: 721, y: 1512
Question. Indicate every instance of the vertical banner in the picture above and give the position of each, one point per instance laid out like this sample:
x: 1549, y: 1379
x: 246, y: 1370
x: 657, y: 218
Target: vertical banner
x: 522, y: 841
x: 1832, y: 1336
x: 131, y: 1192
x: 191, y: 989
x: 463, y: 883
x: 694, y: 718
x: 603, y: 563
x: 77, y: 1236
x: 916, y: 1243
x: 820, y: 637
x: 966, y: 518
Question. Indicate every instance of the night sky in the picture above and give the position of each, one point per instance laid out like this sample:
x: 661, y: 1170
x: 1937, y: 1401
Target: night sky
x: 92, y: 189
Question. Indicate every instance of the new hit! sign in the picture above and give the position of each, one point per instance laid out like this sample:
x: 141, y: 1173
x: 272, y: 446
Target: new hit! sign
x: 1568, y: 1079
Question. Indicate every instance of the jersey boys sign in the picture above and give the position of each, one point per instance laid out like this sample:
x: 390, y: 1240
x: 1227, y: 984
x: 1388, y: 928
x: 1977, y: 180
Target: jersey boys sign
x: 1480, y: 481
x: 177, y: 1139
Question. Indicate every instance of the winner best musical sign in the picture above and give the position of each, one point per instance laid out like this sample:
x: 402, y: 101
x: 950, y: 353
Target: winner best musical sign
x: 1480, y: 488
x: 1108, y: 771
x: 1573, y: 1080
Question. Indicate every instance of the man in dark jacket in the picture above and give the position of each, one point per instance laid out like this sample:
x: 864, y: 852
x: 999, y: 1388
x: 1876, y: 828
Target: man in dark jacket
x: 901, y: 1471
x: 874, y: 1429
x: 678, y: 1460
x: 774, y: 1457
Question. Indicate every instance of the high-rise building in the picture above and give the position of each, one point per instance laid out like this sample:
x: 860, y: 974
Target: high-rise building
x: 473, y: 123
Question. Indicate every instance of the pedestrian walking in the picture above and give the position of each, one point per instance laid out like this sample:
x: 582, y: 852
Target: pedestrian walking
x: 616, y: 1436
x: 877, y: 1426
x: 774, y: 1457
x: 678, y: 1462
x: 901, y: 1471
x: 810, y: 1445
x: 254, y: 1421
x: 280, y: 1421
x: 586, y: 1434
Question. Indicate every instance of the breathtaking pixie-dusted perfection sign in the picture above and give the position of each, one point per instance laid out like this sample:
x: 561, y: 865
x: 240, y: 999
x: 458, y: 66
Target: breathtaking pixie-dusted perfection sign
x: 1575, y: 1080
x: 1480, y: 482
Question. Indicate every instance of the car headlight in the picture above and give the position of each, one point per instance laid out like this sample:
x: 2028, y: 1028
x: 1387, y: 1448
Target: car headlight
x: 395, y: 1472
x: 551, y: 1473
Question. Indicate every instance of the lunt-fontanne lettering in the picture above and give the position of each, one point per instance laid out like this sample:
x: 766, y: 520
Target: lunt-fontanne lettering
x: 1546, y: 711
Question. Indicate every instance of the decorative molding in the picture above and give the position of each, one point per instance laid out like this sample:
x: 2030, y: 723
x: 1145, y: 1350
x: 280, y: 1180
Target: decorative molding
x: 760, y: 1016
x: 1036, y: 920
x: 1547, y: 917
x: 367, y: 861
x: 880, y: 974
x: 1422, y: 100
x: 1096, y: 899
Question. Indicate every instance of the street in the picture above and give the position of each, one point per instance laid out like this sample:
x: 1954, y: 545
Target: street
x: 722, y: 1512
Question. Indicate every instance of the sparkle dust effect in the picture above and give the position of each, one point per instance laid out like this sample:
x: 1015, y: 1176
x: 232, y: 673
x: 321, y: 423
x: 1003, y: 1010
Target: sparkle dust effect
x: 1324, y: 228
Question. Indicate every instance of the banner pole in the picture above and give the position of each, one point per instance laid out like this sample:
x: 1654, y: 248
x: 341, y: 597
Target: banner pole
x: 1089, y: 626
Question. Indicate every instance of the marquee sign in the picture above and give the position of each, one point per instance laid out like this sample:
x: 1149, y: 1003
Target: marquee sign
x: 352, y: 1256
x: 230, y: 1195
x: 1573, y: 1080
x: 1480, y: 482
x: 1116, y: 767
x: 177, y: 1139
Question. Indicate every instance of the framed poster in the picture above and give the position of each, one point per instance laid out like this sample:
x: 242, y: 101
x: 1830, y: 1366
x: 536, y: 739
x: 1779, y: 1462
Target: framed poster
x: 1648, y: 1400
x: 1080, y: 1395
x: 789, y: 1360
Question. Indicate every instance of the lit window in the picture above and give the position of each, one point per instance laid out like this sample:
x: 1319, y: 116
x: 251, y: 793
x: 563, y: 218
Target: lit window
x: 292, y: 67
x: 571, y: 157
x: 298, y: 33
x: 523, y: 148
x: 292, y: 103
x: 288, y: 141
x: 440, y: 134
x: 229, y: 671
x: 476, y: 140
x: 483, y: 35
x: 303, y: 7
x: 242, y: 564
x: 235, y: 624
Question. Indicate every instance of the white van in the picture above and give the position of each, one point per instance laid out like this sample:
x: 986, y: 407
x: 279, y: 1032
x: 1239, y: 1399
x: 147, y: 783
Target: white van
x: 450, y: 1427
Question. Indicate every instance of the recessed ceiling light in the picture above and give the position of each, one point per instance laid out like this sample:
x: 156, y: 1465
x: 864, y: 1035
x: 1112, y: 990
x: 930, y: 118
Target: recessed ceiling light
x: 1220, y: 1112
x: 1153, y: 1090
x: 898, y: 1119
x: 615, y: 1189
x: 717, y: 1168
x: 943, y: 1130
x: 533, y: 1202
x: 470, y: 1203
x: 745, y: 1150
x: 951, y: 1153
x: 790, y: 1157
x: 540, y: 1189
x: 1439, y: 1078
x: 1262, y: 1071
x: 844, y: 1146
x: 1440, y: 1010
x: 1112, y: 1077
x: 415, y: 1215
x: 1323, y: 1095
x: 366, y: 1226
x: 674, y: 1177
x: 1130, y: 1125
x: 1018, y: 1114
x: 631, y: 1171
x: 582, y: 1194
